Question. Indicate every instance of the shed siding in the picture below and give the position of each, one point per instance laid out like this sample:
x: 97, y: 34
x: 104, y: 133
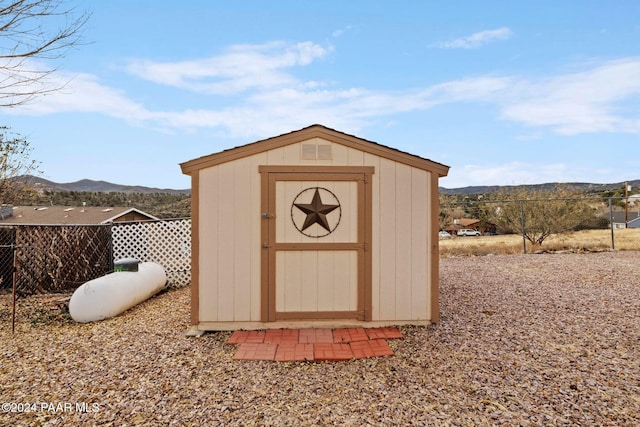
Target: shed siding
x: 229, y: 200
x: 229, y: 211
x: 401, y: 218
x: 226, y: 262
x: 420, y: 244
x: 386, y: 207
x: 209, y: 181
x: 404, y: 212
x: 376, y: 251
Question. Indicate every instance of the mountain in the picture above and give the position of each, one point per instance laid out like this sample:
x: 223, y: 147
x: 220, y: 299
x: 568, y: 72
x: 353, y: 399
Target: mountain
x: 99, y: 187
x: 108, y: 187
x: 582, y: 186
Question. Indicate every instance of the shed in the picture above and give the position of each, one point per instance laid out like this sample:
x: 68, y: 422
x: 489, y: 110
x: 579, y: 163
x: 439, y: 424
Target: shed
x: 313, y: 228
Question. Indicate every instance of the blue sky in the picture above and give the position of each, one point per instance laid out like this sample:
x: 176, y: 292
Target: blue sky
x: 504, y: 92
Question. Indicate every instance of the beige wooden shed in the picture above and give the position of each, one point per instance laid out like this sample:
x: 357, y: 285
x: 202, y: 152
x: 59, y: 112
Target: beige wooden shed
x: 314, y: 228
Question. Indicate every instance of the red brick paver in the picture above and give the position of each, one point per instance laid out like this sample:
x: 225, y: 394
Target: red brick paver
x: 349, y: 335
x: 372, y: 348
x: 238, y: 337
x: 294, y: 352
x: 313, y: 344
x: 332, y: 352
x: 313, y: 336
x: 256, y: 351
x: 282, y: 336
x: 383, y: 333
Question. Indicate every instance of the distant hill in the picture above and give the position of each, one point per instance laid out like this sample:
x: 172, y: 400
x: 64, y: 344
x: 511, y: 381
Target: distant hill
x: 100, y: 187
x: 108, y: 187
x: 582, y: 186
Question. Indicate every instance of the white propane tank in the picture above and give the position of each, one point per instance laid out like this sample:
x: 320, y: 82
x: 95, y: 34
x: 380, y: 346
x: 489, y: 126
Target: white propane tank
x: 114, y: 293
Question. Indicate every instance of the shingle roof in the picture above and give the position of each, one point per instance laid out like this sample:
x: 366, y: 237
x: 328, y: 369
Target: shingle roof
x: 68, y: 214
x: 308, y: 133
x: 466, y: 222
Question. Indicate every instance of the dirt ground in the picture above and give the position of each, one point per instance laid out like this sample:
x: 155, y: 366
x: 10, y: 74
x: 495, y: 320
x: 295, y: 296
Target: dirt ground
x: 550, y: 339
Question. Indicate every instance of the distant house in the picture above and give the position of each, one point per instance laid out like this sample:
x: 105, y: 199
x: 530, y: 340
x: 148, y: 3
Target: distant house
x: 70, y: 215
x: 472, y: 224
x: 618, y: 219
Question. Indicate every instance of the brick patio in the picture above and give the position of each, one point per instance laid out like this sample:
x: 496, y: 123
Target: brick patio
x: 291, y: 345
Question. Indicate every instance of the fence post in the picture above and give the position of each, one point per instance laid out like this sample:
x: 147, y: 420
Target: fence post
x: 111, y: 250
x: 524, y: 240
x: 14, y: 291
x: 613, y: 242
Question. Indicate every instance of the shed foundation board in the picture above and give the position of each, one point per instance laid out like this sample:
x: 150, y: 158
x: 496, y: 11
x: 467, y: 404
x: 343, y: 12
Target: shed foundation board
x: 330, y: 324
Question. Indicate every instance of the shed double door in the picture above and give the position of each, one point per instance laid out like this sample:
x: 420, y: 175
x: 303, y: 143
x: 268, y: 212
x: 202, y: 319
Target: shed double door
x: 316, y: 227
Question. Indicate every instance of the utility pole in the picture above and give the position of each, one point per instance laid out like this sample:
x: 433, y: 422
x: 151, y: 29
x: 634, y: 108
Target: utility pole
x: 613, y: 241
x: 626, y: 204
x: 524, y: 232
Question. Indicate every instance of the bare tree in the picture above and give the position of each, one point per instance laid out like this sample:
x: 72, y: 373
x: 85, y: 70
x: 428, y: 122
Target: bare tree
x: 16, y: 167
x: 539, y: 214
x: 33, y: 33
x: 448, y: 205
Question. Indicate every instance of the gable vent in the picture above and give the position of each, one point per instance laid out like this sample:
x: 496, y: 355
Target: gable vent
x: 308, y: 151
x: 316, y: 152
x: 324, y: 152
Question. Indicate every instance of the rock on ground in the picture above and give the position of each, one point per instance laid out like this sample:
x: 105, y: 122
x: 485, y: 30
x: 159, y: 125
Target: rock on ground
x: 523, y: 340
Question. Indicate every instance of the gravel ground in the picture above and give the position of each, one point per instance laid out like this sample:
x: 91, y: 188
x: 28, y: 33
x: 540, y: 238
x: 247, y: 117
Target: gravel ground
x: 523, y: 340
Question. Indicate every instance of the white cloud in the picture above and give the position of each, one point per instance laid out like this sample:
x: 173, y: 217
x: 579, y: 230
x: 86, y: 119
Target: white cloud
x: 515, y: 173
x: 581, y: 102
x: 84, y: 93
x: 533, y: 172
x: 476, y: 40
x: 469, y: 89
x: 341, y: 31
x: 238, y: 69
x: 269, y: 98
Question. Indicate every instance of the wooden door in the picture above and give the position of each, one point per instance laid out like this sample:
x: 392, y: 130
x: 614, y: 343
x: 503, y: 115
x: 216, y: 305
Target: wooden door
x: 315, y: 232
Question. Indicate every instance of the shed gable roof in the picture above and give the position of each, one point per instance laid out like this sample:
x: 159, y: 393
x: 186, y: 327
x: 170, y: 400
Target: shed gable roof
x: 314, y: 131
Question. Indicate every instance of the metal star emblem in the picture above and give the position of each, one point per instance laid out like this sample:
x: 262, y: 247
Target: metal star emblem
x: 316, y: 212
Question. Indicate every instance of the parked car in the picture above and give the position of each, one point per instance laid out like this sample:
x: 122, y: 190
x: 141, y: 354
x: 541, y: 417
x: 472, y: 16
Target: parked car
x: 444, y: 235
x: 468, y: 232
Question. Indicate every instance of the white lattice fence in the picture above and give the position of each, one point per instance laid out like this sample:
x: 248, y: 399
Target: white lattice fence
x: 167, y: 243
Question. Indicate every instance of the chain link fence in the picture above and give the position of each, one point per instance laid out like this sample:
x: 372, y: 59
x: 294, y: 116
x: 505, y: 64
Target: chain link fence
x: 536, y: 219
x: 59, y: 258
x: 53, y: 258
x: 7, y: 256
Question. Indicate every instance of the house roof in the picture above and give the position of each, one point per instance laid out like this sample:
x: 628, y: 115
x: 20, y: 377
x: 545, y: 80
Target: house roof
x: 466, y: 222
x: 68, y: 214
x: 619, y: 217
x: 314, y: 131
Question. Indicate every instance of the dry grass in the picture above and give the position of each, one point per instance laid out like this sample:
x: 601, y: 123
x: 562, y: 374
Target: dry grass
x: 579, y: 241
